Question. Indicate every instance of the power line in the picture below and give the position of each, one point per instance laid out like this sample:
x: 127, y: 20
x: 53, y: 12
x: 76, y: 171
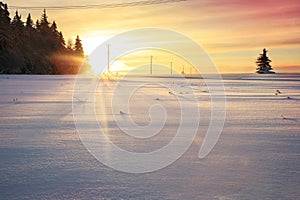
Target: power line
x: 97, y: 6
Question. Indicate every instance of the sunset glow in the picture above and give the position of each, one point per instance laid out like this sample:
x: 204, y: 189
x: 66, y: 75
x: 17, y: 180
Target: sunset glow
x: 233, y: 32
x: 150, y: 99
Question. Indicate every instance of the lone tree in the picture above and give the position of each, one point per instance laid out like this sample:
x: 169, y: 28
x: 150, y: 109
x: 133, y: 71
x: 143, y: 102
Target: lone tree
x: 263, y: 64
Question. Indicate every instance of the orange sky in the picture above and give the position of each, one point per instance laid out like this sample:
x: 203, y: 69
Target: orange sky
x: 233, y: 32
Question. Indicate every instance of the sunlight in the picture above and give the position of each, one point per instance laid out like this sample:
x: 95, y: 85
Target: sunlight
x: 141, y: 59
x: 92, y: 39
x: 119, y: 66
x: 91, y: 43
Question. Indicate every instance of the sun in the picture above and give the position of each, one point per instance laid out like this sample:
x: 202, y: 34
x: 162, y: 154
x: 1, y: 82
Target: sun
x: 91, y: 43
x: 92, y: 39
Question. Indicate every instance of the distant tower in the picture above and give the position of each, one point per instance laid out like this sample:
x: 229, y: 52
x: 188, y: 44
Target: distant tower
x: 263, y: 64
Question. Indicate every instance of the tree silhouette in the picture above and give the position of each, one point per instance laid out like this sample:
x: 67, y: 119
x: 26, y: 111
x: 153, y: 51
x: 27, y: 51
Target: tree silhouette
x: 44, y: 19
x: 17, y: 22
x: 78, y: 47
x: 38, y: 48
x: 4, y: 33
x: 37, y: 24
x: 17, y: 27
x: 4, y: 14
x: 61, y: 39
x: 263, y: 64
x: 29, y: 22
x: 53, y: 27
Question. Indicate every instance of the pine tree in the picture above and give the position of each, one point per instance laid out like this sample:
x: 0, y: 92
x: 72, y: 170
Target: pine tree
x: 61, y: 39
x: 37, y: 48
x: 17, y: 22
x: 29, y: 22
x: 78, y: 47
x: 263, y: 63
x: 53, y: 27
x: 44, y: 19
x: 18, y: 31
x: 56, y: 37
x: 4, y: 26
x: 54, y: 31
x: 4, y: 15
x: 29, y: 29
x: 44, y: 27
x: 37, y: 24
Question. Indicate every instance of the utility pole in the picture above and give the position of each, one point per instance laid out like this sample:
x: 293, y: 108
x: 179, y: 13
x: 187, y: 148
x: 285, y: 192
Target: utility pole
x: 151, y: 58
x: 171, y: 68
x: 108, y: 63
x: 182, y: 69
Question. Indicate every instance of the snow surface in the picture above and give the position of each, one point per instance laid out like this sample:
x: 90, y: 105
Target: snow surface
x: 256, y: 157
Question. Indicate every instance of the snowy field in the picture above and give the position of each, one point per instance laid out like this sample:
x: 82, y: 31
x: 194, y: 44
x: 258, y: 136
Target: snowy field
x: 256, y: 157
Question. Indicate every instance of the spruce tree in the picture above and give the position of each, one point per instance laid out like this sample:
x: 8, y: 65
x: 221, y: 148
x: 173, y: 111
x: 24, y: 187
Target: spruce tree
x: 263, y: 64
x: 44, y: 27
x: 4, y: 15
x: 37, y: 24
x: 29, y: 22
x: 53, y: 27
x: 61, y: 39
x: 17, y: 22
x: 18, y: 31
x: 4, y: 26
x: 54, y: 31
x: 78, y: 47
x: 37, y: 48
x: 44, y: 19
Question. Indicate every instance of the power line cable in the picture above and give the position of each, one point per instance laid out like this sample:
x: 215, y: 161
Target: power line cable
x: 97, y: 6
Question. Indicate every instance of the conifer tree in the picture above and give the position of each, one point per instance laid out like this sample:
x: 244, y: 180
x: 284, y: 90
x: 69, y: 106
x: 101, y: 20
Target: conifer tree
x: 17, y: 22
x: 44, y: 27
x: 61, y: 39
x: 37, y: 48
x: 4, y: 26
x: 29, y: 22
x: 263, y: 63
x: 4, y: 15
x: 53, y: 27
x: 18, y: 29
x: 37, y: 24
x: 54, y: 31
x: 78, y: 47
x: 44, y: 19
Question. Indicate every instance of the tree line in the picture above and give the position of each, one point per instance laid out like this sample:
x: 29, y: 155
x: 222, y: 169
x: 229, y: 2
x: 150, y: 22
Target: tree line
x: 36, y: 48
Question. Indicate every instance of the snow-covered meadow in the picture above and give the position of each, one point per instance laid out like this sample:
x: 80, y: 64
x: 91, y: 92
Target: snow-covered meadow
x: 256, y: 157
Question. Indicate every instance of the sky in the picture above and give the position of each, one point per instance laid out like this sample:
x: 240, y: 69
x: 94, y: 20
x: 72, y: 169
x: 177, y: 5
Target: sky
x: 232, y: 32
